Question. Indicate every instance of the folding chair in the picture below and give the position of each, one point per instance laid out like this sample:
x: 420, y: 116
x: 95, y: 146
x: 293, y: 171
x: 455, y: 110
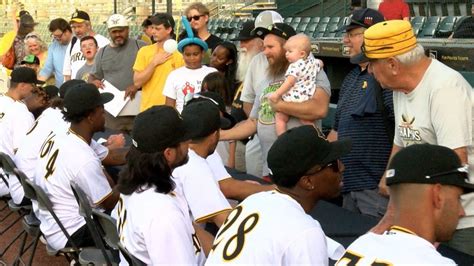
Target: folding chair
x: 85, y: 210
x: 44, y: 203
x: 8, y: 166
x: 111, y: 237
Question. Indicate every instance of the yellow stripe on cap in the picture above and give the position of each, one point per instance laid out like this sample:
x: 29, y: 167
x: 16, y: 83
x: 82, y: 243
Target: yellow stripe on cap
x: 389, y: 38
x: 78, y: 20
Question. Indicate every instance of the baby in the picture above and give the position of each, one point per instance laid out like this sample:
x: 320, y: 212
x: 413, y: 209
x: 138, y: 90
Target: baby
x: 300, y: 78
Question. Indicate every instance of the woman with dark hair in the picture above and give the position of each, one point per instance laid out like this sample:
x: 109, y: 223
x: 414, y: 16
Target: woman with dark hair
x: 224, y: 59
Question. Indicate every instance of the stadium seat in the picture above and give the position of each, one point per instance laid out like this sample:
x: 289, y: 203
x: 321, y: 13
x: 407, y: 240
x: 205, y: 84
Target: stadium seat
x: 325, y: 20
x: 334, y: 20
x: 428, y: 31
x: 305, y: 20
x: 301, y: 27
x: 417, y: 23
x: 315, y: 20
x: 294, y: 24
x: 310, y: 29
x: 331, y: 31
x: 296, y: 20
x: 320, y: 30
x: 288, y: 20
x: 446, y: 27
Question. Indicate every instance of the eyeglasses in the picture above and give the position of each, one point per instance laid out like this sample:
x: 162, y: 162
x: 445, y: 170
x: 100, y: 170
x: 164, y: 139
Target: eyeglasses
x: 351, y: 35
x: 197, y: 17
x: 461, y: 170
x: 190, y: 96
x: 57, y: 37
x: 334, y: 165
x: 259, y: 32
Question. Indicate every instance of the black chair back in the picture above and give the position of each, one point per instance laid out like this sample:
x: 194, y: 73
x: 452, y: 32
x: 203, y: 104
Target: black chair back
x: 85, y: 210
x: 111, y: 237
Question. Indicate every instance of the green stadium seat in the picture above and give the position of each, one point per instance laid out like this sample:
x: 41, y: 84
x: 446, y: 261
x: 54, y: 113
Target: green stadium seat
x: 296, y: 20
x: 305, y: 20
x: 334, y: 20
x: 310, y: 29
x: 417, y: 23
x: 325, y: 20
x: 320, y: 30
x: 315, y: 20
x: 428, y: 31
x: 446, y: 27
x: 288, y: 20
x: 294, y: 24
x: 331, y: 31
x: 301, y: 27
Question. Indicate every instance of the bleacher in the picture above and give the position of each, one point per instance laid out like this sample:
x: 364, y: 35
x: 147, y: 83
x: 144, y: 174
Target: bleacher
x: 327, y: 27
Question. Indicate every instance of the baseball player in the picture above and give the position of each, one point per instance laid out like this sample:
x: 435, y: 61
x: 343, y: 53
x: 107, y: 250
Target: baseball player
x: 69, y: 156
x: 51, y: 121
x: 273, y: 227
x: 426, y: 183
x: 154, y: 222
x: 195, y: 180
x: 15, y: 119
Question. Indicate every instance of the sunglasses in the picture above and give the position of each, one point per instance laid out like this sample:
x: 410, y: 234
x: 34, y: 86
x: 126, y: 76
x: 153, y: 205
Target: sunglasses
x: 334, y: 165
x: 197, y: 17
x: 191, y: 96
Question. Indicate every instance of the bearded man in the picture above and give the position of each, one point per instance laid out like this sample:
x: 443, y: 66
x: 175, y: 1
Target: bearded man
x: 262, y: 115
x: 114, y: 63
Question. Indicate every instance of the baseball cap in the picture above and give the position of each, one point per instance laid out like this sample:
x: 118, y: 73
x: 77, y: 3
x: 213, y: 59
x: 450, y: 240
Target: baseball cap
x: 51, y: 91
x: 216, y: 99
x: 24, y: 75
x: 428, y: 164
x: 386, y: 39
x: 267, y: 18
x: 21, y: 13
x: 30, y: 59
x: 27, y: 20
x: 363, y: 18
x: 117, y: 21
x: 301, y: 148
x: 246, y: 32
x: 79, y: 16
x: 69, y: 84
x: 282, y: 30
x: 84, y: 97
x: 157, y: 128
x: 204, y: 118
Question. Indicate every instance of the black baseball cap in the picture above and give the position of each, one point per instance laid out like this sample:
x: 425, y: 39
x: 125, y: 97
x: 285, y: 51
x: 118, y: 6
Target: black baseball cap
x: 84, y: 97
x: 27, y: 20
x: 216, y: 99
x: 69, y: 84
x: 364, y: 18
x: 246, y: 32
x: 159, y: 127
x: 204, y: 118
x: 282, y: 30
x: 79, y: 16
x: 428, y: 164
x: 51, y: 91
x: 24, y: 75
x: 30, y: 59
x: 301, y: 148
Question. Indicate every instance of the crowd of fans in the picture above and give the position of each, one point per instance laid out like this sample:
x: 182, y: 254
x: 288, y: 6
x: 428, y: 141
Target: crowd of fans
x: 256, y: 108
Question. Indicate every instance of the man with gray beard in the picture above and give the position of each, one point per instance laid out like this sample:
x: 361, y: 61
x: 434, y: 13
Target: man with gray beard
x: 262, y: 115
x: 248, y: 156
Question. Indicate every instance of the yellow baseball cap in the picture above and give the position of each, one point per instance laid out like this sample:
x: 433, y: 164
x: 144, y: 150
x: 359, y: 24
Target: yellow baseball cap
x: 386, y: 39
x: 79, y: 16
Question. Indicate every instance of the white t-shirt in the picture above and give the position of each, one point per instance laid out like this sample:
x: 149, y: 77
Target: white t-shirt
x: 196, y: 182
x: 304, y: 70
x: 15, y: 122
x: 397, y: 246
x: 156, y: 229
x: 217, y: 167
x: 269, y: 228
x: 49, y: 122
x: 439, y: 111
x: 74, y: 59
x: 183, y: 81
x: 62, y: 159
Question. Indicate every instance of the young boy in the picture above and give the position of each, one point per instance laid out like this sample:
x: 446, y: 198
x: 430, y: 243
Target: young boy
x: 89, y: 48
x: 187, y: 79
x: 300, y: 81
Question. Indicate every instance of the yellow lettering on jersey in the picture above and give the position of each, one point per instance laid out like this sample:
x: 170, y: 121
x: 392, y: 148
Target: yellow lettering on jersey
x: 351, y: 258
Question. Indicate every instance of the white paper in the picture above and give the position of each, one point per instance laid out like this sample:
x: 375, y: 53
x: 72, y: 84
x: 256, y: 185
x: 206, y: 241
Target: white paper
x: 133, y: 106
x: 116, y: 105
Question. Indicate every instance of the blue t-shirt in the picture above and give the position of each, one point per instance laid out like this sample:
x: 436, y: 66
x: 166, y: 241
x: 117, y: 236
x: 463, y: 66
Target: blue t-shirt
x: 371, y: 146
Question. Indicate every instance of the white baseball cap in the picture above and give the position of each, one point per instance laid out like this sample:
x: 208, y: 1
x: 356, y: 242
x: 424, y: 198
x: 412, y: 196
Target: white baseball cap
x: 267, y: 18
x: 116, y: 20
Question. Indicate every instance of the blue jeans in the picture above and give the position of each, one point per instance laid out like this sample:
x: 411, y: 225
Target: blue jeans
x: 367, y: 202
